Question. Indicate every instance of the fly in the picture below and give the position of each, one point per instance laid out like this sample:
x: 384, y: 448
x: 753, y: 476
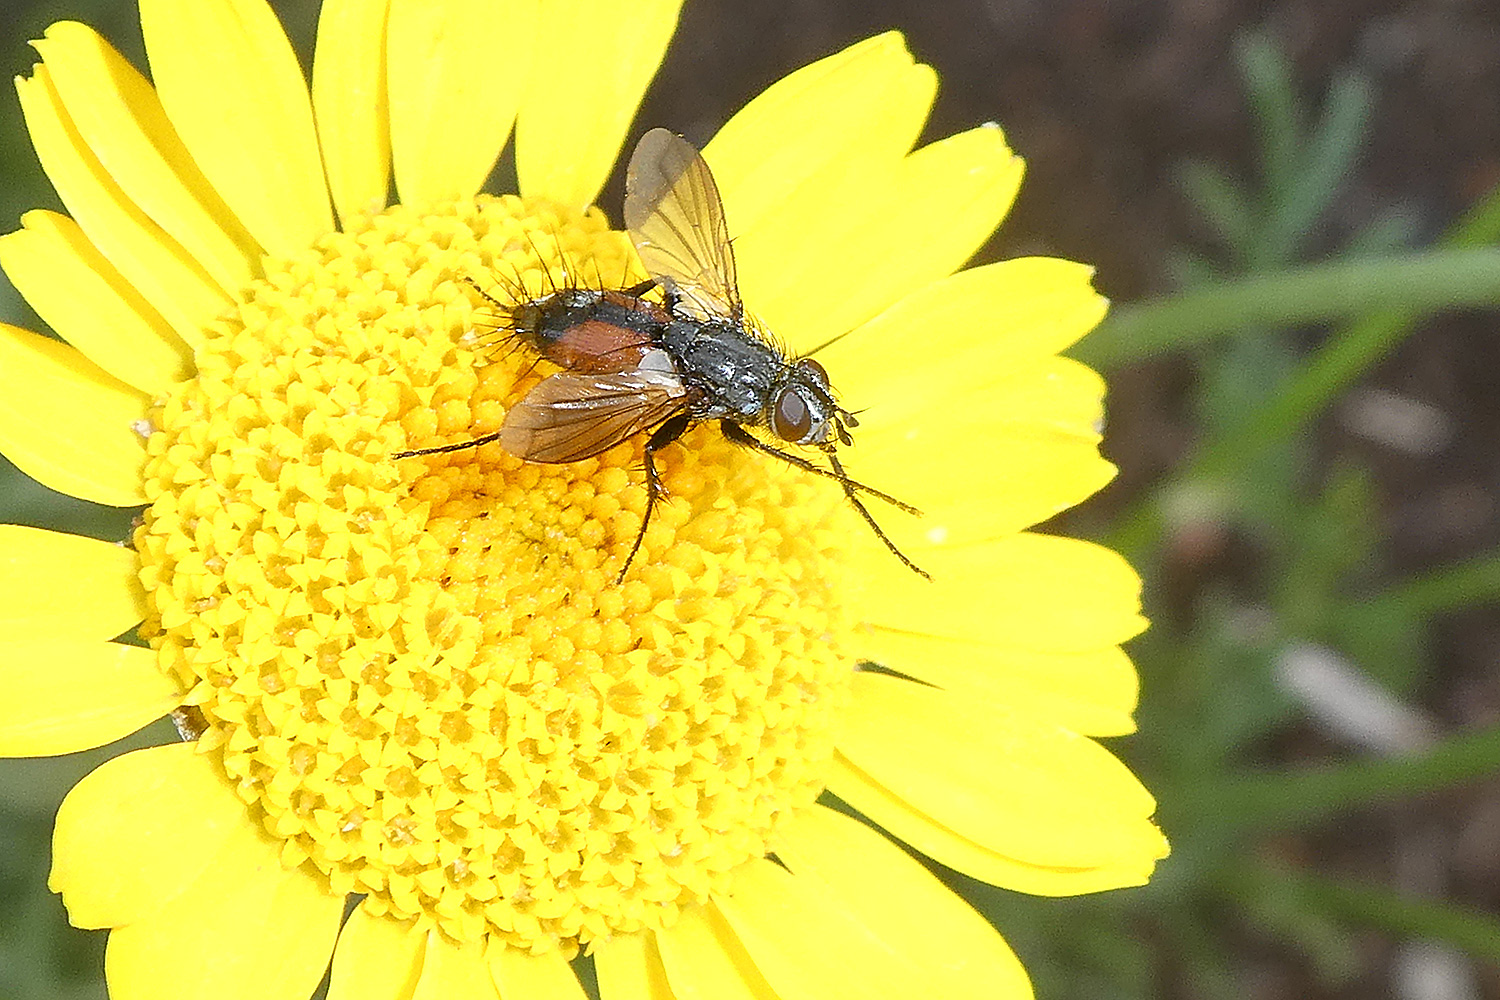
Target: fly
x: 631, y: 365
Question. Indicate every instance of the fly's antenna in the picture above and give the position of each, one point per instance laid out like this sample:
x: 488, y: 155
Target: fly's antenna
x: 843, y: 420
x: 842, y: 430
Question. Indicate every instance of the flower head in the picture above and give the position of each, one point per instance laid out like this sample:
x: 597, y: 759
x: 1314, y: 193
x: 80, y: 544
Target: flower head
x: 416, y: 682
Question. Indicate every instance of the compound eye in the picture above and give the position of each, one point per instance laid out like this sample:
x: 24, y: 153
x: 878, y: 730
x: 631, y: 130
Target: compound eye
x: 815, y: 369
x: 792, y: 419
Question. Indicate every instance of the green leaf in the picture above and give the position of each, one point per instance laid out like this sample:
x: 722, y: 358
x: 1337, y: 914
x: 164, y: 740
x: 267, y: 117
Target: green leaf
x: 1469, y: 929
x: 1385, y: 633
x: 1268, y: 84
x: 1221, y: 200
x: 1279, y: 911
x: 1323, y: 167
x: 1450, y: 588
x: 1297, y: 798
x: 1419, y: 281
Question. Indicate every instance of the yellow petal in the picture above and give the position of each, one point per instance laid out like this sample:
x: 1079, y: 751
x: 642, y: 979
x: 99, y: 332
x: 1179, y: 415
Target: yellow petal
x: 986, y: 463
x: 964, y: 332
x: 452, y: 100
x: 90, y: 304
x: 352, y: 106
x: 1052, y: 392
x: 629, y: 968
x: 1019, y: 788
x: 160, y: 269
x: 232, y: 87
x: 955, y: 851
x: 571, y: 124
x: 1015, y: 477
x: 704, y: 960
x: 377, y: 958
x: 67, y: 424
x: 120, y: 118
x: 61, y: 695
x: 807, y: 946
x: 1025, y: 787
x: 904, y: 905
x: 537, y: 977
x: 450, y: 971
x: 59, y: 585
x: 246, y: 929
x: 1033, y: 591
x: 139, y: 829
x: 819, y: 267
x: 1092, y: 692
x: 868, y: 102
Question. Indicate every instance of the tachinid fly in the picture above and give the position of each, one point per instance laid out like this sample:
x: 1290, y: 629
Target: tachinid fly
x: 631, y: 365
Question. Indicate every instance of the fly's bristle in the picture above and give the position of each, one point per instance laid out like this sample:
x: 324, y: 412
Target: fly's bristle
x: 498, y: 334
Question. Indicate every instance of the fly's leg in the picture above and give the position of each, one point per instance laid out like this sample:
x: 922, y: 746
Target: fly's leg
x: 663, y: 436
x: 739, y: 435
x: 443, y: 449
x: 494, y: 302
x: 870, y: 518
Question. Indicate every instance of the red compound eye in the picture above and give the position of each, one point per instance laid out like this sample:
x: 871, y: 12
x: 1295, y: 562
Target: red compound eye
x: 792, y: 419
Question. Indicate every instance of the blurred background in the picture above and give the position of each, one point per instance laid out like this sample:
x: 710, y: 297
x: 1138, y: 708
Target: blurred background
x: 1292, y: 204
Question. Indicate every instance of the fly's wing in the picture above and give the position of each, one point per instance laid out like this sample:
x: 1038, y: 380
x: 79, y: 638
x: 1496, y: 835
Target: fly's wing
x: 571, y: 416
x: 676, y: 220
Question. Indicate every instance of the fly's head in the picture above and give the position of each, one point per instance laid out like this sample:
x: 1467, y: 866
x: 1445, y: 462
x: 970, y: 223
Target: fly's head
x: 803, y: 410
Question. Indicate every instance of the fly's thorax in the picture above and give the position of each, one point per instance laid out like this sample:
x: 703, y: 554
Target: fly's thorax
x: 732, y: 370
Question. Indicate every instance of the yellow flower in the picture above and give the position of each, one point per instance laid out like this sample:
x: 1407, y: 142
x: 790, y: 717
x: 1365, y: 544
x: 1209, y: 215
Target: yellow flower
x: 415, y: 684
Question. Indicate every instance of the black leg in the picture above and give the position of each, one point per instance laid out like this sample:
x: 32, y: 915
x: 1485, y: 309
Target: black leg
x: 739, y: 435
x: 443, y: 449
x: 870, y: 519
x: 484, y: 294
x: 636, y: 291
x: 664, y: 435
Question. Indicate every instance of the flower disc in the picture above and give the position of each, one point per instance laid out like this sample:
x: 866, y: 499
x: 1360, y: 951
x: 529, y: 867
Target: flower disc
x: 421, y: 673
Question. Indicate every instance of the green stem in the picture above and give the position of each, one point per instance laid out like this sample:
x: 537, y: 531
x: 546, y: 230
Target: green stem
x: 1345, y: 357
x: 1301, y: 797
x: 1420, y: 281
x: 1480, y: 224
x: 1473, y: 931
x: 1447, y: 588
x: 1327, y: 373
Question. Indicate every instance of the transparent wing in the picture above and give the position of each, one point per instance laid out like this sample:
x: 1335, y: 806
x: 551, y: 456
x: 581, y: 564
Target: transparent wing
x: 676, y: 220
x: 570, y: 417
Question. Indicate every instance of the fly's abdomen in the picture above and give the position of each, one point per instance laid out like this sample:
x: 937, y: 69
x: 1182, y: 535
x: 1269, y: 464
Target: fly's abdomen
x: 589, y: 331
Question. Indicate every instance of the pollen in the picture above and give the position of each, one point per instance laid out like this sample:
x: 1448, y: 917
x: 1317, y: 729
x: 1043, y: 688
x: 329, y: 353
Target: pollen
x: 420, y: 674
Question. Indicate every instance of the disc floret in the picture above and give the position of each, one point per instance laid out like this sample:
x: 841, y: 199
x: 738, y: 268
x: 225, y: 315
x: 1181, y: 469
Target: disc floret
x: 421, y: 675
